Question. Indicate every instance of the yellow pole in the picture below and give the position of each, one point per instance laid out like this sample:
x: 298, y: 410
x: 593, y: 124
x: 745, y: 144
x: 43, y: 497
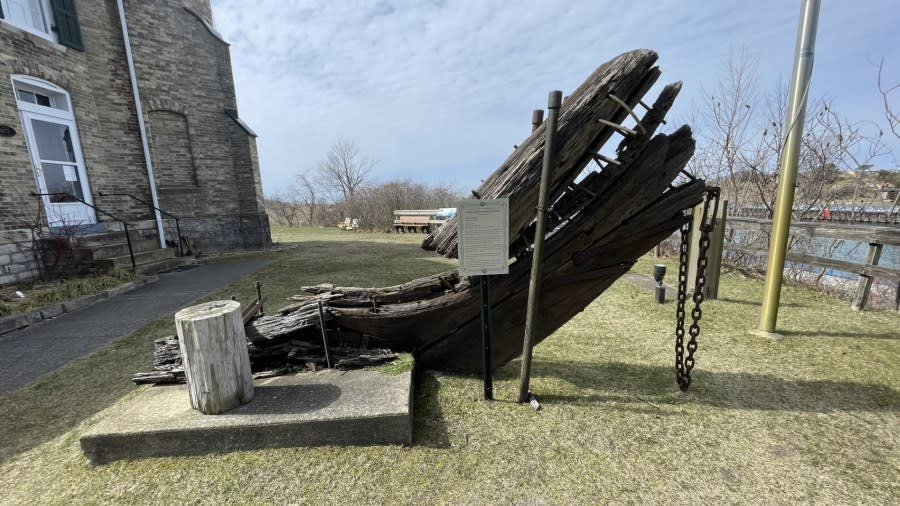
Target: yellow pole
x: 784, y: 199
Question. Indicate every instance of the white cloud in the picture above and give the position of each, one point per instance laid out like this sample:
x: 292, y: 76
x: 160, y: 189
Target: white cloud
x: 440, y: 91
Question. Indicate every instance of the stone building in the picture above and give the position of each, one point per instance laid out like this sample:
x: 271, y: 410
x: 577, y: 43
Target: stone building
x: 104, y: 98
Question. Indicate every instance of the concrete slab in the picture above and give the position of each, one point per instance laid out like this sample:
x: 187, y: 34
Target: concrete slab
x: 330, y: 407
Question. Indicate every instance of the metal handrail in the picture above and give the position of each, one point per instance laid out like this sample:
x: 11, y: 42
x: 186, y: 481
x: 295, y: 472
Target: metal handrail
x: 151, y: 206
x: 101, y: 211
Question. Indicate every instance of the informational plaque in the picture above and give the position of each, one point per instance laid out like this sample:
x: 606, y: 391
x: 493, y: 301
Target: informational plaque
x: 483, y: 231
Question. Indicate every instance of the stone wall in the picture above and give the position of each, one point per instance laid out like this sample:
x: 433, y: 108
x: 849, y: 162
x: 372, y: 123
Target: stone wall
x: 100, y: 90
x: 185, y: 79
x: 207, y: 169
x: 17, y: 261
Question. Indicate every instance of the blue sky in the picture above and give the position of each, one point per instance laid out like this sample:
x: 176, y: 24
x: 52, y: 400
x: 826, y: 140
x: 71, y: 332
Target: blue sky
x: 440, y: 91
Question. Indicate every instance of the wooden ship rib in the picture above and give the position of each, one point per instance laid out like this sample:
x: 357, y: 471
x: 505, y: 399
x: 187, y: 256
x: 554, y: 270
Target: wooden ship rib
x: 600, y: 224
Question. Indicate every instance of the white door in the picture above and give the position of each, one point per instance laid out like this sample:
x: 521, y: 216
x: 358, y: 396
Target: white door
x: 58, y: 169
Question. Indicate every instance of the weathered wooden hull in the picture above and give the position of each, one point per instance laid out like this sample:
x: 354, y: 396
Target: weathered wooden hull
x: 600, y: 226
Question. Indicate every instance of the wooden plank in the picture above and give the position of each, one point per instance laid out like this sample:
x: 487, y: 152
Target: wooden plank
x: 841, y: 265
x: 882, y: 234
x: 864, y: 285
x: 714, y: 255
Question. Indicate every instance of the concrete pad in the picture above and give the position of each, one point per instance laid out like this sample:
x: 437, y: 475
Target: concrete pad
x: 329, y: 407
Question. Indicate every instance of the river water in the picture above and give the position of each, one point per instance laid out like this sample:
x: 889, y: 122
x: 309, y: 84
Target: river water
x: 849, y: 251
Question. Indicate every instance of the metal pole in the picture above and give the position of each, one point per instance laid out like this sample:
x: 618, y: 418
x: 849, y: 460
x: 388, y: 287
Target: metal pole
x: 141, y: 127
x: 324, y: 334
x: 537, y: 117
x: 486, y: 338
x: 534, y: 286
x: 784, y: 200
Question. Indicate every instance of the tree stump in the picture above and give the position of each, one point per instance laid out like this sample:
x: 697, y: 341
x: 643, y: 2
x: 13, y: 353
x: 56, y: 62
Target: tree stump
x: 214, y: 352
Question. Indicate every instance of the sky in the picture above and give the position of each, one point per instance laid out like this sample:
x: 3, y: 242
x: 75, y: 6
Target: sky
x: 440, y: 91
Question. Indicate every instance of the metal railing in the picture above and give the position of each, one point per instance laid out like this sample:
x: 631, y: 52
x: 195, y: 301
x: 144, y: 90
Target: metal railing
x: 874, y: 216
x: 101, y: 211
x: 152, y: 207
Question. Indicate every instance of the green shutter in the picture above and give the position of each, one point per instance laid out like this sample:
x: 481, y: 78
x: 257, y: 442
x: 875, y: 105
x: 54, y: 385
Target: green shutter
x: 1, y: 11
x: 67, y: 28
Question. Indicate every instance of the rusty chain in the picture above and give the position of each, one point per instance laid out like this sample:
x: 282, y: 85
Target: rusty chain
x: 684, y: 364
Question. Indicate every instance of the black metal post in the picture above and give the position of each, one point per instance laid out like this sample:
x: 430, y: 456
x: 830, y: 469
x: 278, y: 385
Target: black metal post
x: 659, y: 274
x: 324, y: 334
x: 259, y: 295
x: 486, y: 337
x: 130, y: 249
x: 178, y: 231
x: 537, y: 117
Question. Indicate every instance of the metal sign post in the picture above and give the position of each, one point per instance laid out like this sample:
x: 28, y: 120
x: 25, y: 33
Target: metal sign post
x: 483, y: 231
x: 486, y: 338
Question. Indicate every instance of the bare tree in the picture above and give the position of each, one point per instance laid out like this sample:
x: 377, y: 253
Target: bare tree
x: 741, y: 138
x: 307, y: 194
x: 377, y: 203
x: 283, y: 208
x: 724, y: 125
x: 890, y: 112
x: 344, y: 171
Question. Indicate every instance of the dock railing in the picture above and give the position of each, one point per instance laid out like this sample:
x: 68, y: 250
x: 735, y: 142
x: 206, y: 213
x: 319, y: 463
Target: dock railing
x: 876, y: 236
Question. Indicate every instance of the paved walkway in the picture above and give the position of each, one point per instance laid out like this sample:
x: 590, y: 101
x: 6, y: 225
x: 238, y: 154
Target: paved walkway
x: 30, y: 352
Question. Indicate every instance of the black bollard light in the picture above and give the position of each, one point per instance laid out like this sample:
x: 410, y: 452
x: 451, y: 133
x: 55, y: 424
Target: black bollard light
x: 659, y: 273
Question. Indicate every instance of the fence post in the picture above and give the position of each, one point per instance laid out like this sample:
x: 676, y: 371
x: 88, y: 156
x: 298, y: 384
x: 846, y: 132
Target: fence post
x: 864, y: 285
x: 897, y: 298
x: 694, y: 247
x: 714, y: 254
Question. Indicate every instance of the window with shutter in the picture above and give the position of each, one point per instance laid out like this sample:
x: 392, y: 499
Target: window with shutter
x: 67, y: 28
x: 54, y: 20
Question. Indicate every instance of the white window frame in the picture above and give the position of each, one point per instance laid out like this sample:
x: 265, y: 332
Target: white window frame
x: 46, y: 11
x: 62, y: 112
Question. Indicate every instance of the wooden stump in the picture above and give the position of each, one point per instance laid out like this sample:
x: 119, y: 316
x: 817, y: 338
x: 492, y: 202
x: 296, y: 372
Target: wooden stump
x: 214, y: 352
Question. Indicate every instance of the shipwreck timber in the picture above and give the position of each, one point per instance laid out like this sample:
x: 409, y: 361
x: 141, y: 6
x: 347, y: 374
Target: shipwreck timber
x: 600, y: 223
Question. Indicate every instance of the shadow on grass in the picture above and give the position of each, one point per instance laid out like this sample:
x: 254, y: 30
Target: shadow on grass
x: 747, y: 391
x: 755, y: 302
x: 429, y: 428
x: 815, y: 333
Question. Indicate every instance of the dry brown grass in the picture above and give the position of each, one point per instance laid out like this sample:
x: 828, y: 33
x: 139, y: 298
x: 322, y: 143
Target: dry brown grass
x: 812, y: 419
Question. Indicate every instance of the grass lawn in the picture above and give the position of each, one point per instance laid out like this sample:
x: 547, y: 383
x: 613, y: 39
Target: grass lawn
x: 39, y: 294
x: 814, y: 418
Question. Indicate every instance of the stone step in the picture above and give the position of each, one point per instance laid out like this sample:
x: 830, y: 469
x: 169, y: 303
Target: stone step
x: 140, y: 259
x: 165, y: 265
x: 97, y: 240
x: 117, y: 249
x: 115, y: 226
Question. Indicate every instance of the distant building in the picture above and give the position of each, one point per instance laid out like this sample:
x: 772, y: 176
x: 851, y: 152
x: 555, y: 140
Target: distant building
x: 69, y: 125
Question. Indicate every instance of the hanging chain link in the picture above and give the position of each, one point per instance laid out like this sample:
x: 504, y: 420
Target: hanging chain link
x: 684, y: 364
